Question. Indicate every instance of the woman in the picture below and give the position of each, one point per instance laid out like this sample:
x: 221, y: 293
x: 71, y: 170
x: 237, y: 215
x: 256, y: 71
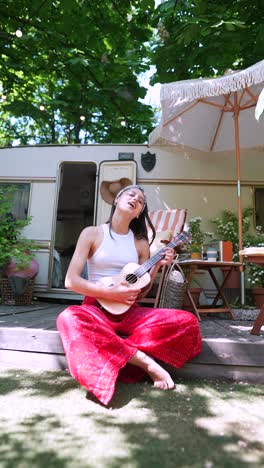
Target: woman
x: 101, y: 346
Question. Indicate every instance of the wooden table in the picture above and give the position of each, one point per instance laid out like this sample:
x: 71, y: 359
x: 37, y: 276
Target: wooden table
x: 259, y: 260
x: 192, y: 266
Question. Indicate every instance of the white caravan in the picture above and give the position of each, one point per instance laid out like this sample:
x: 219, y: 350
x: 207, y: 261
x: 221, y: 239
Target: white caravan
x: 59, y: 186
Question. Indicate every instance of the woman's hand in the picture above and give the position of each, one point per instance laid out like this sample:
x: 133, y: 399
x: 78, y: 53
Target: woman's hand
x: 168, y: 257
x: 122, y: 292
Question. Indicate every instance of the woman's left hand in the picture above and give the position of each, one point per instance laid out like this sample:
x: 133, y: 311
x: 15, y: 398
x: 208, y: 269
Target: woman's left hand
x: 168, y: 257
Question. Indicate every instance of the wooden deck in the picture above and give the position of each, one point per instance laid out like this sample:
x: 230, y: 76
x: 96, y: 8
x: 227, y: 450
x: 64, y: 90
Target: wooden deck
x: 29, y: 339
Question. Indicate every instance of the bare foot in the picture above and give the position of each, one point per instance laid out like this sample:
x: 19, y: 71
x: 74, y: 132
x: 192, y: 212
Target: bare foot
x: 161, y: 378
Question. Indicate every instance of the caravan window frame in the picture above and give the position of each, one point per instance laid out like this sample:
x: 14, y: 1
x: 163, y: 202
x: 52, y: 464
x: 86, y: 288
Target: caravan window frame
x: 21, y: 195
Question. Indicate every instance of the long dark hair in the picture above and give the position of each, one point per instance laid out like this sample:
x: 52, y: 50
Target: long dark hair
x: 138, y: 225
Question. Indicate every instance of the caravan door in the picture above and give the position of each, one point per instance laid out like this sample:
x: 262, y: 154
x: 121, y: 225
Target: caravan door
x: 111, y: 171
x: 75, y: 211
x: 78, y: 207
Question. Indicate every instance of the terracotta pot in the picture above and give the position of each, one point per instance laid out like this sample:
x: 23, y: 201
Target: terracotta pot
x: 258, y: 294
x: 29, y: 272
x: 226, y: 251
x: 196, y: 255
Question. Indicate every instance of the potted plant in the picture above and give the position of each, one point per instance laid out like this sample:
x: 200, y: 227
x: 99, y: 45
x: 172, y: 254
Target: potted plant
x: 17, y: 264
x: 227, y: 230
x: 198, y: 237
x: 255, y: 271
x: 255, y: 279
x: 195, y: 248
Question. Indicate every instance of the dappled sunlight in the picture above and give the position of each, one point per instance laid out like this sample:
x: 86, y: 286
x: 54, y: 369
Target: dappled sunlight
x: 241, y: 328
x: 155, y: 199
x: 237, y: 418
x: 50, y: 384
x: 181, y: 388
x: 198, y: 424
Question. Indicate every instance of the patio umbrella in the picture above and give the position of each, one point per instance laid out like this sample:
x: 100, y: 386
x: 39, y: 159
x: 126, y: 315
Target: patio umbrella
x: 213, y: 115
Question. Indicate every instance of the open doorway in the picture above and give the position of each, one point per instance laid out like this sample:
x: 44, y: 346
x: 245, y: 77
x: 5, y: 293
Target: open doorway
x: 75, y: 211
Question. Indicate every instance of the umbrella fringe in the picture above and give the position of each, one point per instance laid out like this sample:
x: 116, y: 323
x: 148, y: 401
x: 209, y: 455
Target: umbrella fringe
x: 190, y: 90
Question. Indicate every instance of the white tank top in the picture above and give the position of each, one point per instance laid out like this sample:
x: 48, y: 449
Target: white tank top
x: 112, y: 254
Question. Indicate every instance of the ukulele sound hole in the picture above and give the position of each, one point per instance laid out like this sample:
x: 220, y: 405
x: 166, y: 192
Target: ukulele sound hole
x: 131, y: 278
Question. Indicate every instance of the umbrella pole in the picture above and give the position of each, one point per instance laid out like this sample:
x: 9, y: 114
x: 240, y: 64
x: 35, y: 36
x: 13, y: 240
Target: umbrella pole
x: 239, y: 205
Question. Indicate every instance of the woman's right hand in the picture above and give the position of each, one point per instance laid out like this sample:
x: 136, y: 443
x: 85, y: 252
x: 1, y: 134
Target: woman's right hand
x: 122, y: 292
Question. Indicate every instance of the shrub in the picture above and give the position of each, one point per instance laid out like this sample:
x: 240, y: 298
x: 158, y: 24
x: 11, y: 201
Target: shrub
x: 12, y: 243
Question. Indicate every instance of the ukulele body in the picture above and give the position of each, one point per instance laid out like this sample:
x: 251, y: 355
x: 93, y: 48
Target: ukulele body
x: 134, y: 282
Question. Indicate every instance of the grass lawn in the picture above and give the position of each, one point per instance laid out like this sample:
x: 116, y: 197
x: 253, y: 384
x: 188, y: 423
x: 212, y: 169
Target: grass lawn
x: 47, y: 421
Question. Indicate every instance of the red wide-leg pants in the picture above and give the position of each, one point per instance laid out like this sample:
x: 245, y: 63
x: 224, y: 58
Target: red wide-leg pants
x: 97, y: 354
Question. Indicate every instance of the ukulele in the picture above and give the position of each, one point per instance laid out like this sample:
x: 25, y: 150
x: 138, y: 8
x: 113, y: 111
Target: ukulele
x: 137, y: 276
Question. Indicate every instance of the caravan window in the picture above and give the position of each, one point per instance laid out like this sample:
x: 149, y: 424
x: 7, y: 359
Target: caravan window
x: 21, y: 199
x: 259, y: 207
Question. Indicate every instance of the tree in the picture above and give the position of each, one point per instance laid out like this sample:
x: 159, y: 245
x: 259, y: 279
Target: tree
x: 69, y: 68
x: 71, y: 76
x: 198, y: 38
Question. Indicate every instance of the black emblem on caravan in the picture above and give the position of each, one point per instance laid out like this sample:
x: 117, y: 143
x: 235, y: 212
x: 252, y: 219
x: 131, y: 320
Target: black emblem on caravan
x: 148, y: 161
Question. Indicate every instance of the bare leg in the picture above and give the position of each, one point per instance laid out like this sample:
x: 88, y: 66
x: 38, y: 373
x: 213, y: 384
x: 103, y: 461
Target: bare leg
x: 160, y: 377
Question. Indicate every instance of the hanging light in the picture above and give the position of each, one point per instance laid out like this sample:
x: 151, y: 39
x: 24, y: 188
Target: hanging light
x: 18, y: 33
x: 42, y: 108
x: 82, y: 117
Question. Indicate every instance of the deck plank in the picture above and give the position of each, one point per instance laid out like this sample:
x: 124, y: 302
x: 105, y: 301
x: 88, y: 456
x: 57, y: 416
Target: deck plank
x: 26, y: 360
x: 14, y: 310
x: 33, y: 319
x: 223, y: 351
x: 29, y: 339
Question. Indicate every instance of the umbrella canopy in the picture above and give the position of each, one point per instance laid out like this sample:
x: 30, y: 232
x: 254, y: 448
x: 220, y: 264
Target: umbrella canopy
x: 213, y: 115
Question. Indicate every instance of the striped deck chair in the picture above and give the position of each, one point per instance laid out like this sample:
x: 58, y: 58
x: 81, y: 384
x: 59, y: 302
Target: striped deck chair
x: 173, y: 220
x: 168, y: 223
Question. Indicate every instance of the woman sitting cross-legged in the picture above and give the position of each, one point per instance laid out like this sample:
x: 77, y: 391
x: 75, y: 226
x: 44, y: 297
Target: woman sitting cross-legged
x: 110, y: 335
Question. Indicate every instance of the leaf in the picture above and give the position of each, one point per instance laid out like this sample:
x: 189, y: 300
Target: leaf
x: 260, y: 105
x: 229, y: 26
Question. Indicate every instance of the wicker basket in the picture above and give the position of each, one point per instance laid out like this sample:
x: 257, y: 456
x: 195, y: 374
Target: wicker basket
x: 8, y: 296
x: 173, y: 292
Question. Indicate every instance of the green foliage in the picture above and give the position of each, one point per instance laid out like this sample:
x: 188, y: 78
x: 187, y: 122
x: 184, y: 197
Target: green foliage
x: 198, y: 236
x: 226, y: 226
x: 255, y: 275
x: 72, y: 76
x: 227, y: 229
x: 12, y: 244
x: 254, y: 272
x: 193, y: 38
